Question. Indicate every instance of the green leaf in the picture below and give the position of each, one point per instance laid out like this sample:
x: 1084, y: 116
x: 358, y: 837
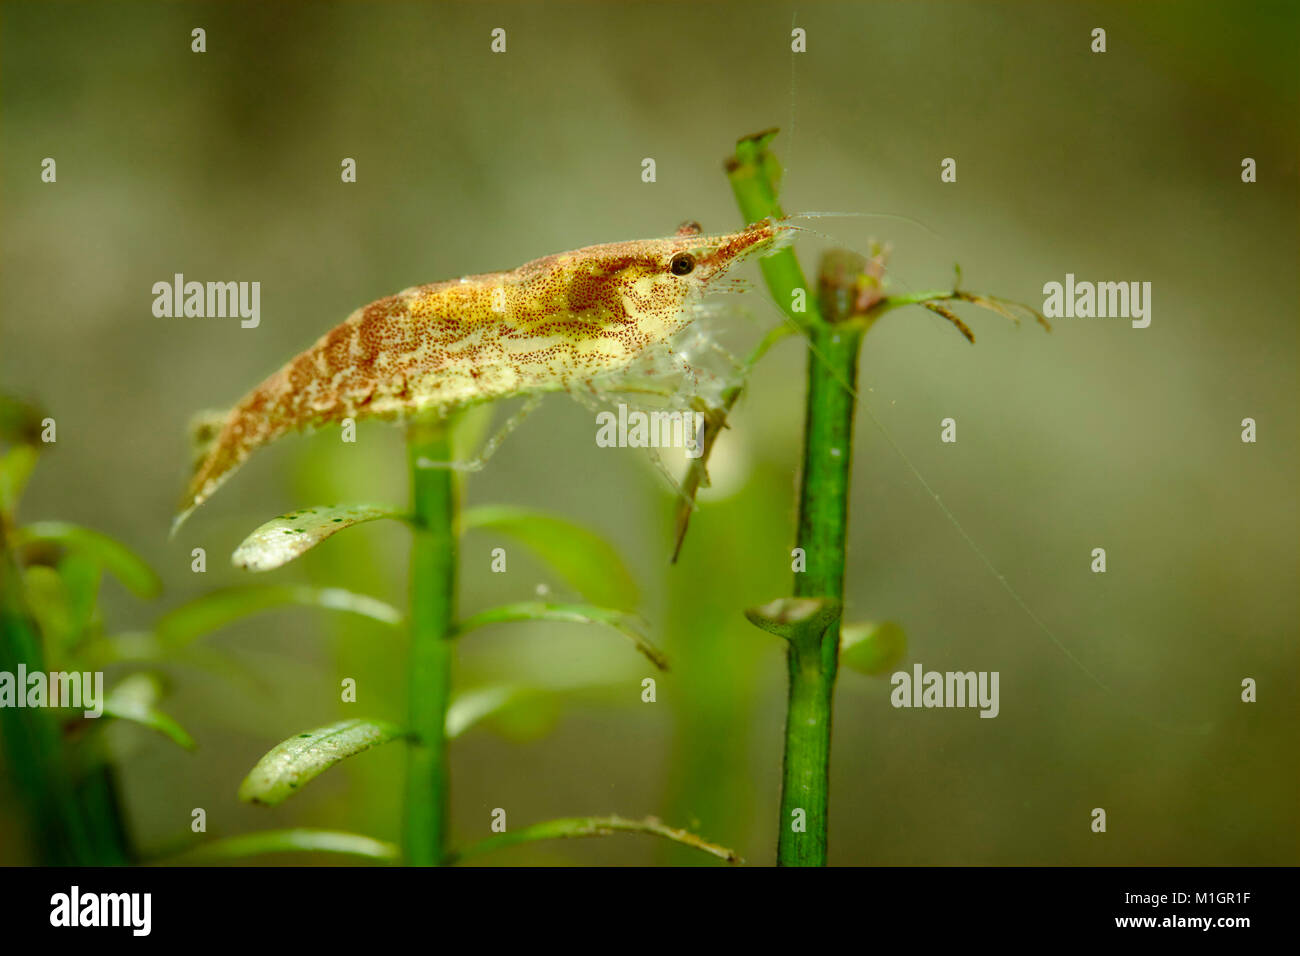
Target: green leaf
x: 290, y: 765
x: 135, y: 699
x: 143, y: 647
x: 81, y: 575
x: 113, y: 556
x: 570, y: 613
x: 62, y: 600
x: 501, y: 704
x: 47, y: 597
x: 872, y: 648
x: 282, y: 539
x: 521, y: 724
x: 571, y: 827
x: 126, y: 647
x: 301, y: 840
x: 474, y: 706
x: 219, y: 608
x: 585, y: 561
x: 797, y: 619
x: 16, y: 467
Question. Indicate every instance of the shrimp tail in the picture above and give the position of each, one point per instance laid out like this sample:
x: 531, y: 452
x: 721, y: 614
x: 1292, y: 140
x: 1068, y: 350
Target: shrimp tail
x: 339, y: 377
x: 204, y: 430
x: 223, y: 441
x: 307, y: 392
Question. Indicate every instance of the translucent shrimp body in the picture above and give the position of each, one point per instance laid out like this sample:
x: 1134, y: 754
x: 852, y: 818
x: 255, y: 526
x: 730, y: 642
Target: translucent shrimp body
x: 550, y: 325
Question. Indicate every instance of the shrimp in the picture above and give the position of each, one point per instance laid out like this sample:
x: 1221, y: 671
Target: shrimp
x: 559, y: 323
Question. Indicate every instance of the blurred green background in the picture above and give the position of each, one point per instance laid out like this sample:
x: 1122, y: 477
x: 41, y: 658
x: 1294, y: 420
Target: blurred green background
x: 1120, y: 166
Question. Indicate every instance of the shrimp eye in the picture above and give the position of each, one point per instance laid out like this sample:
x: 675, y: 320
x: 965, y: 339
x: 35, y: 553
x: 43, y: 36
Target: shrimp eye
x: 682, y: 264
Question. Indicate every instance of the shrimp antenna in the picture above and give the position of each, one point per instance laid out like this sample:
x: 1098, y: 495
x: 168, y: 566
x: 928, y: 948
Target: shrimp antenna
x: 812, y: 232
x: 866, y: 215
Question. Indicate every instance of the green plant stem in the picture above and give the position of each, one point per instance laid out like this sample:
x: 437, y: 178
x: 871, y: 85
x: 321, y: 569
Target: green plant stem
x: 814, y: 656
x: 99, y: 796
x: 34, y: 747
x: 433, y: 602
